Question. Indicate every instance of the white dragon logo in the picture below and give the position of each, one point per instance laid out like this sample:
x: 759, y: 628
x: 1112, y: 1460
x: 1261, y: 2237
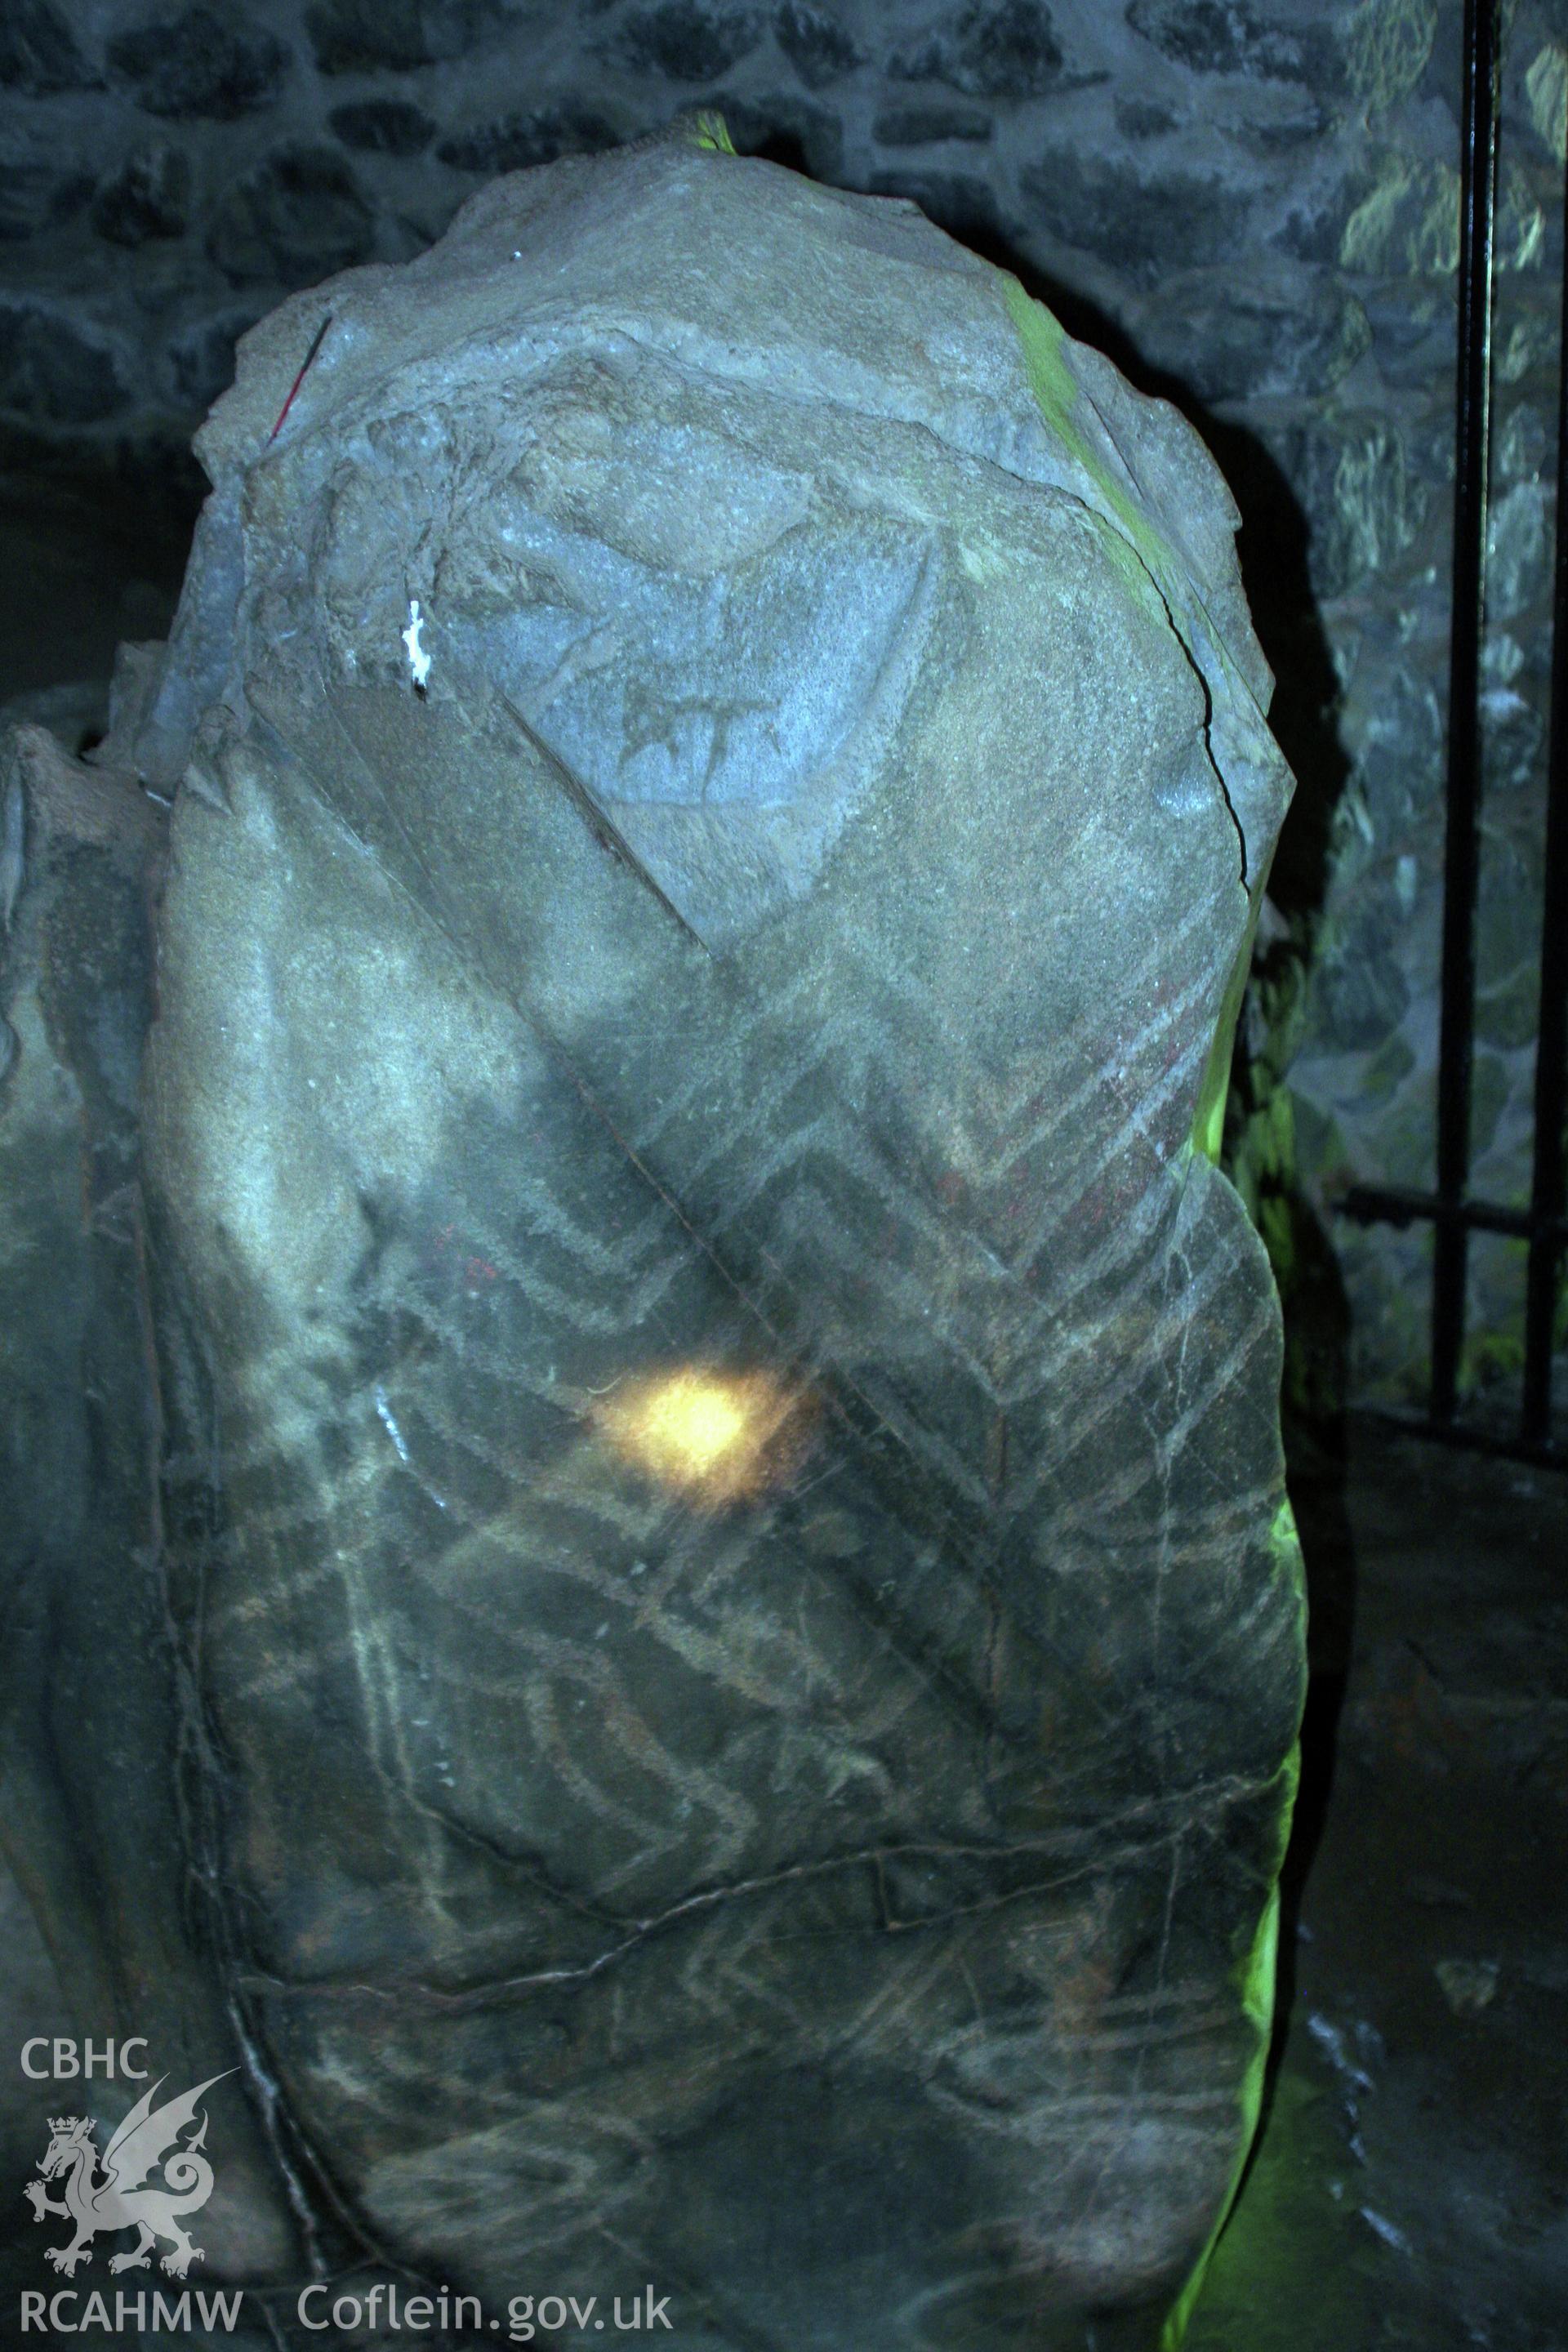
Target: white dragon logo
x: 120, y: 2201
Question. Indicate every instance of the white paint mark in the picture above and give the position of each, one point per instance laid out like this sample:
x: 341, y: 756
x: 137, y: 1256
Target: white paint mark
x: 1388, y: 2231
x: 418, y: 659
x: 384, y: 1413
x: 1331, y: 2043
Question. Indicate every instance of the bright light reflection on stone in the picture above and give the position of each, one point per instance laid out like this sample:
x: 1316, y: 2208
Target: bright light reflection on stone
x: 712, y: 1436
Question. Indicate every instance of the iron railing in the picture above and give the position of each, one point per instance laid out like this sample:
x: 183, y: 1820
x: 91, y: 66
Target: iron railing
x: 1448, y: 1208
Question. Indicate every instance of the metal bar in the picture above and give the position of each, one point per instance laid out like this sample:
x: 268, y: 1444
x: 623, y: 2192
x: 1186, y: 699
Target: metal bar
x: 1381, y: 1204
x: 1546, y: 1188
x: 1479, y: 137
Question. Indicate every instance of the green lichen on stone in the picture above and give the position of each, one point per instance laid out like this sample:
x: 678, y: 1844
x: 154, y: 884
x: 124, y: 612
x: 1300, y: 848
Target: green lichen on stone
x: 1056, y: 394
x: 1270, y: 1135
x: 1380, y: 504
x: 1433, y: 243
x: 1051, y: 379
x: 1546, y: 88
x: 1408, y: 222
x: 1208, y: 1121
x: 1256, y: 1978
x: 1260, y: 1152
x: 1521, y: 224
x: 497, y: 1007
x: 710, y: 131
x: 1257, y: 1985
x: 1386, y: 45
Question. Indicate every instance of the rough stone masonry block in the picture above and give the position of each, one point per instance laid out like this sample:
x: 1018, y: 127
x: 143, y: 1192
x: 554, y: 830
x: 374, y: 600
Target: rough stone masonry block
x: 721, y: 1422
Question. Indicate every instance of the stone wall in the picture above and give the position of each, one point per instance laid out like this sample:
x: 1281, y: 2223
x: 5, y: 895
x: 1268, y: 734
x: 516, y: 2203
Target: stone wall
x: 1253, y: 204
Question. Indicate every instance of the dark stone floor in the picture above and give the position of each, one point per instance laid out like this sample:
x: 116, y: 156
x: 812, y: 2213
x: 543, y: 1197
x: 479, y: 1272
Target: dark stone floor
x: 1410, y: 2184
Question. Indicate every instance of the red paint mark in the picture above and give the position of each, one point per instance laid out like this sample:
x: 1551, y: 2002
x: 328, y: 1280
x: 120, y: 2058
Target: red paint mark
x: 319, y: 338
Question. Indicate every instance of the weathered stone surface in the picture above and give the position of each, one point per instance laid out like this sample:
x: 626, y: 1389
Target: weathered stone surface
x: 1360, y: 480
x: 748, y: 1610
x: 1236, y: 147
x: 1413, y: 334
x: 200, y: 359
x: 1361, y: 992
x: 1146, y: 225
x: 1217, y: 36
x: 991, y: 48
x: 788, y: 128
x: 149, y: 196
x: 1518, y: 551
x: 1388, y: 45
x: 1144, y: 118
x: 384, y: 126
x: 298, y: 216
x: 687, y: 40
x: 53, y: 371
x: 922, y: 126
x: 369, y: 36
x: 198, y: 65
x: 1294, y: 120
x: 959, y: 202
x: 817, y: 45
x: 1398, y: 752
x: 1289, y: 337
x: 94, y: 1701
x: 36, y: 191
x: 515, y: 142
x: 39, y: 51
